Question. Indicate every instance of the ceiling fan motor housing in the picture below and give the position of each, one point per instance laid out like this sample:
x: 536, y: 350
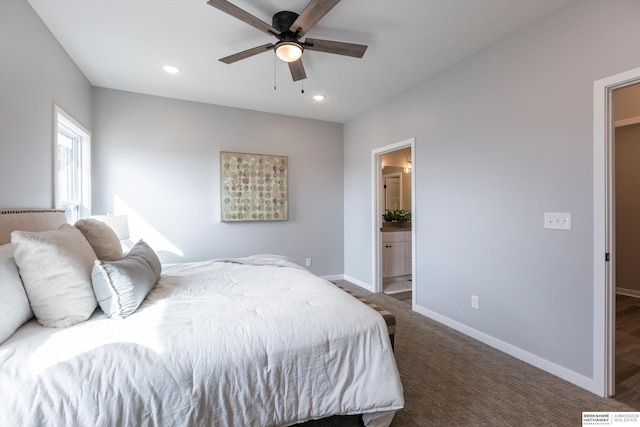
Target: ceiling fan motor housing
x: 282, y: 21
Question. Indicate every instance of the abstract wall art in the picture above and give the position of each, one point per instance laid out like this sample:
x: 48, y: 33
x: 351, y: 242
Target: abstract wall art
x: 253, y: 187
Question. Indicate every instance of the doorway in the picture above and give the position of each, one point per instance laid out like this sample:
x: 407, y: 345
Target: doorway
x: 605, y: 230
x: 393, y: 176
x: 626, y: 226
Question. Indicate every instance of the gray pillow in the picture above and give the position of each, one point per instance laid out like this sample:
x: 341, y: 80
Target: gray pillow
x: 121, y: 286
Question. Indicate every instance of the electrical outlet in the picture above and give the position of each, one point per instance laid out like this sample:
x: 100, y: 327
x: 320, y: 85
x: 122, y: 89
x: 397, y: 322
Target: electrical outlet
x: 307, y: 262
x: 475, y: 302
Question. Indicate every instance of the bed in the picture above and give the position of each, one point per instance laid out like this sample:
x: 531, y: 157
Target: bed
x: 257, y: 341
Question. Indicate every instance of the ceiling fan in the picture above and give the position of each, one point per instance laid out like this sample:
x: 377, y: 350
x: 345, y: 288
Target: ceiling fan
x: 288, y: 28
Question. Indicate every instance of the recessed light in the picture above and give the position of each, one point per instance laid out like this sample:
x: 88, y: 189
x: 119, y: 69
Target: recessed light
x: 171, y: 69
x: 319, y: 97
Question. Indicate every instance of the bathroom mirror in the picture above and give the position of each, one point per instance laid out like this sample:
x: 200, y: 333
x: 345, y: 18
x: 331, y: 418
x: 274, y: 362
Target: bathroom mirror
x: 392, y: 186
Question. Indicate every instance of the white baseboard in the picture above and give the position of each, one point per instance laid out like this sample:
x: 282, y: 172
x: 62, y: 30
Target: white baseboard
x: 559, y: 371
x: 349, y: 279
x: 333, y: 277
x: 628, y: 292
x: 362, y: 284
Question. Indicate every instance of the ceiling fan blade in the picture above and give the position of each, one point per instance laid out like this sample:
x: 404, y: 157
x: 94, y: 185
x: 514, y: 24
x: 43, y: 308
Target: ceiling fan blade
x: 242, y: 15
x: 340, y: 48
x: 246, y: 53
x: 312, y: 13
x: 297, y: 70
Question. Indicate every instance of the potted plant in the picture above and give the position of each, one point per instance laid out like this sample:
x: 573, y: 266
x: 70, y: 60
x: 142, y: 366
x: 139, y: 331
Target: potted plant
x: 400, y: 216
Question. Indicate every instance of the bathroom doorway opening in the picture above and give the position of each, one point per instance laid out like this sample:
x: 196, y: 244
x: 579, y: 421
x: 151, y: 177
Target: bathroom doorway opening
x: 394, y: 220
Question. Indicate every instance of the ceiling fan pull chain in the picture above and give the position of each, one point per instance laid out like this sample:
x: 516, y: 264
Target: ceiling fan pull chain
x: 274, y: 73
x: 302, y: 82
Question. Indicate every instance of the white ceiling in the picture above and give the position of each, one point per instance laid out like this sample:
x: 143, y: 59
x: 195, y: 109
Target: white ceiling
x: 123, y: 44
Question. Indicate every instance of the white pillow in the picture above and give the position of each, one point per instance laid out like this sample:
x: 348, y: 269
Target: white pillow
x: 56, y: 272
x: 102, y: 238
x: 14, y: 305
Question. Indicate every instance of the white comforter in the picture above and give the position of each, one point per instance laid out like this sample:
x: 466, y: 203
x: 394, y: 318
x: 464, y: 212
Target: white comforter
x: 214, y: 344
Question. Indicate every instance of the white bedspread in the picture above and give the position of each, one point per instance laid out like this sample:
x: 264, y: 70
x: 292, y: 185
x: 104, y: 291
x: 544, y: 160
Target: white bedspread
x: 214, y: 344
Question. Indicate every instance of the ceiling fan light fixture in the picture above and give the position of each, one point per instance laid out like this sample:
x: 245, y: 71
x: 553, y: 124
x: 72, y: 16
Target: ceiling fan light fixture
x: 289, y: 51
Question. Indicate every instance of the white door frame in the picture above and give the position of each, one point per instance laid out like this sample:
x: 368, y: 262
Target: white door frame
x: 376, y: 167
x: 603, y: 232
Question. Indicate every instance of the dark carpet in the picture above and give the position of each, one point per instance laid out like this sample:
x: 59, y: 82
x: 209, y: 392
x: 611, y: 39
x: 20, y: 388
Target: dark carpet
x: 451, y: 379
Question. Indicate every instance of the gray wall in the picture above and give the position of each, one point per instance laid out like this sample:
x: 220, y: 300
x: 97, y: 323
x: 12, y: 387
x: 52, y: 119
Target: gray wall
x: 501, y: 138
x: 157, y: 159
x: 35, y: 74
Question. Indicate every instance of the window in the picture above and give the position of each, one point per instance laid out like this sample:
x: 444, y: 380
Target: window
x: 72, y: 167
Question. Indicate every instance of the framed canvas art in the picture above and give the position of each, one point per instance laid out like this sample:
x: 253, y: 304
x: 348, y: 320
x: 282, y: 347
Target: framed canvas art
x: 253, y: 187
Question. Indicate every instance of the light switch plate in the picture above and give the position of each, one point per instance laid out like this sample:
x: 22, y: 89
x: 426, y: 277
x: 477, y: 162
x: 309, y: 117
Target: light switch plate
x: 557, y: 220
